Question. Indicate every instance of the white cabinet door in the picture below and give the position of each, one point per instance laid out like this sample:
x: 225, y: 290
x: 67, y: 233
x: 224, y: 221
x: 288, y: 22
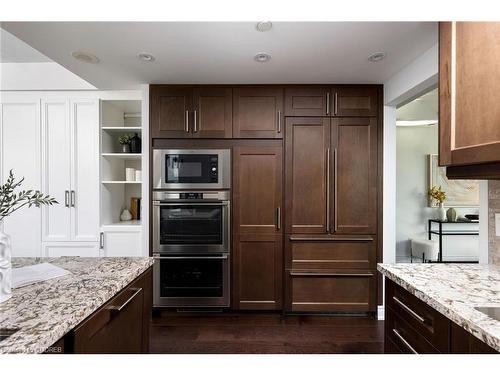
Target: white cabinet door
x: 60, y: 249
x: 20, y: 151
x: 122, y: 244
x: 56, y: 169
x: 85, y: 170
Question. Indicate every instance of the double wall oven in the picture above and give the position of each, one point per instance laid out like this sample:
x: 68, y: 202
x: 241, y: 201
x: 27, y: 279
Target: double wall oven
x: 191, y: 227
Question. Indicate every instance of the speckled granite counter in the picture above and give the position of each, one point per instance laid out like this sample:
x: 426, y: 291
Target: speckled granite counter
x: 46, y: 311
x: 454, y: 290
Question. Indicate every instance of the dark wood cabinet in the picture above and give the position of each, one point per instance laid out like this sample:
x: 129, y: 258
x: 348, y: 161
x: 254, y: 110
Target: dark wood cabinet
x: 413, y: 327
x: 469, y: 110
x: 257, y: 228
x: 212, y: 112
x: 306, y: 172
x: 307, y: 101
x: 258, y: 112
x: 119, y: 326
x: 357, y: 101
x: 170, y: 111
x: 354, y: 206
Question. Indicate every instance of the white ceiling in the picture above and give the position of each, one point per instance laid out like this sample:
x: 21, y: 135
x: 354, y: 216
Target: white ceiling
x: 425, y: 107
x: 222, y: 52
x: 14, y: 50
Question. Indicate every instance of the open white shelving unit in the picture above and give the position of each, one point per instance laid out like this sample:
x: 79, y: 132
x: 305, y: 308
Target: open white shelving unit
x: 119, y: 117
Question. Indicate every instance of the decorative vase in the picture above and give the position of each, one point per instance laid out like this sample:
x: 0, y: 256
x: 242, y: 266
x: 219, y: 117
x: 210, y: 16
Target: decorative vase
x: 451, y: 215
x: 126, y: 215
x: 5, y: 266
x: 126, y: 148
x: 135, y: 144
x: 441, y: 212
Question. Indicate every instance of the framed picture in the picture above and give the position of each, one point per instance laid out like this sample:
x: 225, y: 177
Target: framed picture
x: 459, y: 193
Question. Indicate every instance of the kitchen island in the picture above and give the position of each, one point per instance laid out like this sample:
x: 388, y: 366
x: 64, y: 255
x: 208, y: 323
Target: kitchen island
x: 82, y: 312
x: 433, y: 308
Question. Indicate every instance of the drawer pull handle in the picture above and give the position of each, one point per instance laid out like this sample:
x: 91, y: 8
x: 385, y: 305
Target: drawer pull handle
x: 333, y: 239
x: 409, y: 311
x: 402, y: 339
x: 330, y: 274
x: 117, y: 309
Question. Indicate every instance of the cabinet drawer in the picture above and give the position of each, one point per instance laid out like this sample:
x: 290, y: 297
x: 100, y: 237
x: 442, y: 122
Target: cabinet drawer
x: 343, y: 253
x: 120, y: 325
x: 421, y: 317
x: 331, y: 291
x: 405, y: 337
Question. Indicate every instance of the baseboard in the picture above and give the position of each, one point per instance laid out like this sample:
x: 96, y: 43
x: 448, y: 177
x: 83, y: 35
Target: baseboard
x: 381, y: 312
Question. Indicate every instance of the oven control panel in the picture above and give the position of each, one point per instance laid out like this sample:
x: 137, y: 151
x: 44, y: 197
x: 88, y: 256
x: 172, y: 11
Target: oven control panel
x: 191, y: 196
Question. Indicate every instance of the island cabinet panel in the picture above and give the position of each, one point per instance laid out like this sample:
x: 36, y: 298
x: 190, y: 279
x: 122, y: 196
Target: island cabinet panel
x: 212, y: 112
x: 469, y: 110
x: 257, y: 228
x: 119, y: 326
x: 354, y: 185
x: 170, y: 108
x: 307, y: 101
x: 413, y: 327
x: 258, y: 112
x: 307, y: 174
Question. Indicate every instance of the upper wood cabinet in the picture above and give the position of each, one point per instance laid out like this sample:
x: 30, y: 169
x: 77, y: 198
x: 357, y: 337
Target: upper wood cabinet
x: 191, y: 112
x: 258, y: 112
x: 469, y: 109
x: 307, y: 174
x: 257, y: 229
x: 213, y: 112
x: 354, y: 206
x: 341, y: 101
x: 307, y: 101
x: 170, y: 111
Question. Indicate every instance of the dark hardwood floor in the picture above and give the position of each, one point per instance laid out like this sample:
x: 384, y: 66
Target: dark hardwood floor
x: 264, y: 333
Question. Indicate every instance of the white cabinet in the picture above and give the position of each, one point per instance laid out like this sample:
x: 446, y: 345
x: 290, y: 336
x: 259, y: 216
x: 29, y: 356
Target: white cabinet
x: 117, y: 242
x: 20, y: 151
x: 82, y: 249
x: 70, y: 170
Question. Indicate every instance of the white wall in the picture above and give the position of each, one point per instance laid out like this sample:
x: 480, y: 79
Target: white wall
x: 39, y: 76
x: 412, y: 211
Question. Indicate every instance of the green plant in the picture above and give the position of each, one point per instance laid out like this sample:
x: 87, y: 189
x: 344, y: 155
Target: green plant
x: 11, y: 201
x: 437, y: 194
x: 125, y: 139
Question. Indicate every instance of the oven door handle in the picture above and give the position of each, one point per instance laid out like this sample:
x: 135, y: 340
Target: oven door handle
x: 224, y: 256
x: 184, y: 203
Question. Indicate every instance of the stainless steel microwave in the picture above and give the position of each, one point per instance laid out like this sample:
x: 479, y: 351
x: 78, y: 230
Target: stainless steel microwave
x: 192, y: 169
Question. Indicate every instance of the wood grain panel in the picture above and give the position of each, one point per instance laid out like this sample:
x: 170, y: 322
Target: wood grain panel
x: 355, y: 175
x: 306, y: 101
x: 214, y: 112
x: 168, y: 111
x: 256, y: 112
x: 307, y: 141
x: 355, y: 101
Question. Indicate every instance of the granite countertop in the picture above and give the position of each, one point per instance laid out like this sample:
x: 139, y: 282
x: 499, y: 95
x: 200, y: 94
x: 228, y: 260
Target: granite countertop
x: 44, y: 312
x: 454, y: 290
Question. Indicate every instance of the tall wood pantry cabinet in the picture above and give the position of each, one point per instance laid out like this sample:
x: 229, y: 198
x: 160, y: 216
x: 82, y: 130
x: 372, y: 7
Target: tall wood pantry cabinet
x: 469, y: 110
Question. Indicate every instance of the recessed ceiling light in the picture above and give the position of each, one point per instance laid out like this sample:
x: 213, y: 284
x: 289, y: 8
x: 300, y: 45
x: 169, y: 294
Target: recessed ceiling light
x: 144, y: 56
x: 262, y: 57
x: 264, y: 26
x: 85, y: 57
x: 377, y: 56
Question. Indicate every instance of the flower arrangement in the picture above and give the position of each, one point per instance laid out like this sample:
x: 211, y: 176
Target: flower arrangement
x: 10, y: 201
x: 435, y: 193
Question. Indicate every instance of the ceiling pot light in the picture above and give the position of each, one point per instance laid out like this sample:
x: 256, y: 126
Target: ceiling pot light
x: 144, y: 56
x: 377, y: 56
x: 262, y: 57
x: 264, y: 26
x: 85, y: 57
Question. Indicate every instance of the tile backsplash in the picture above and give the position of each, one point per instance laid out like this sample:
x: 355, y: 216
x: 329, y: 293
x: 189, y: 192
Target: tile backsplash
x: 493, y: 208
